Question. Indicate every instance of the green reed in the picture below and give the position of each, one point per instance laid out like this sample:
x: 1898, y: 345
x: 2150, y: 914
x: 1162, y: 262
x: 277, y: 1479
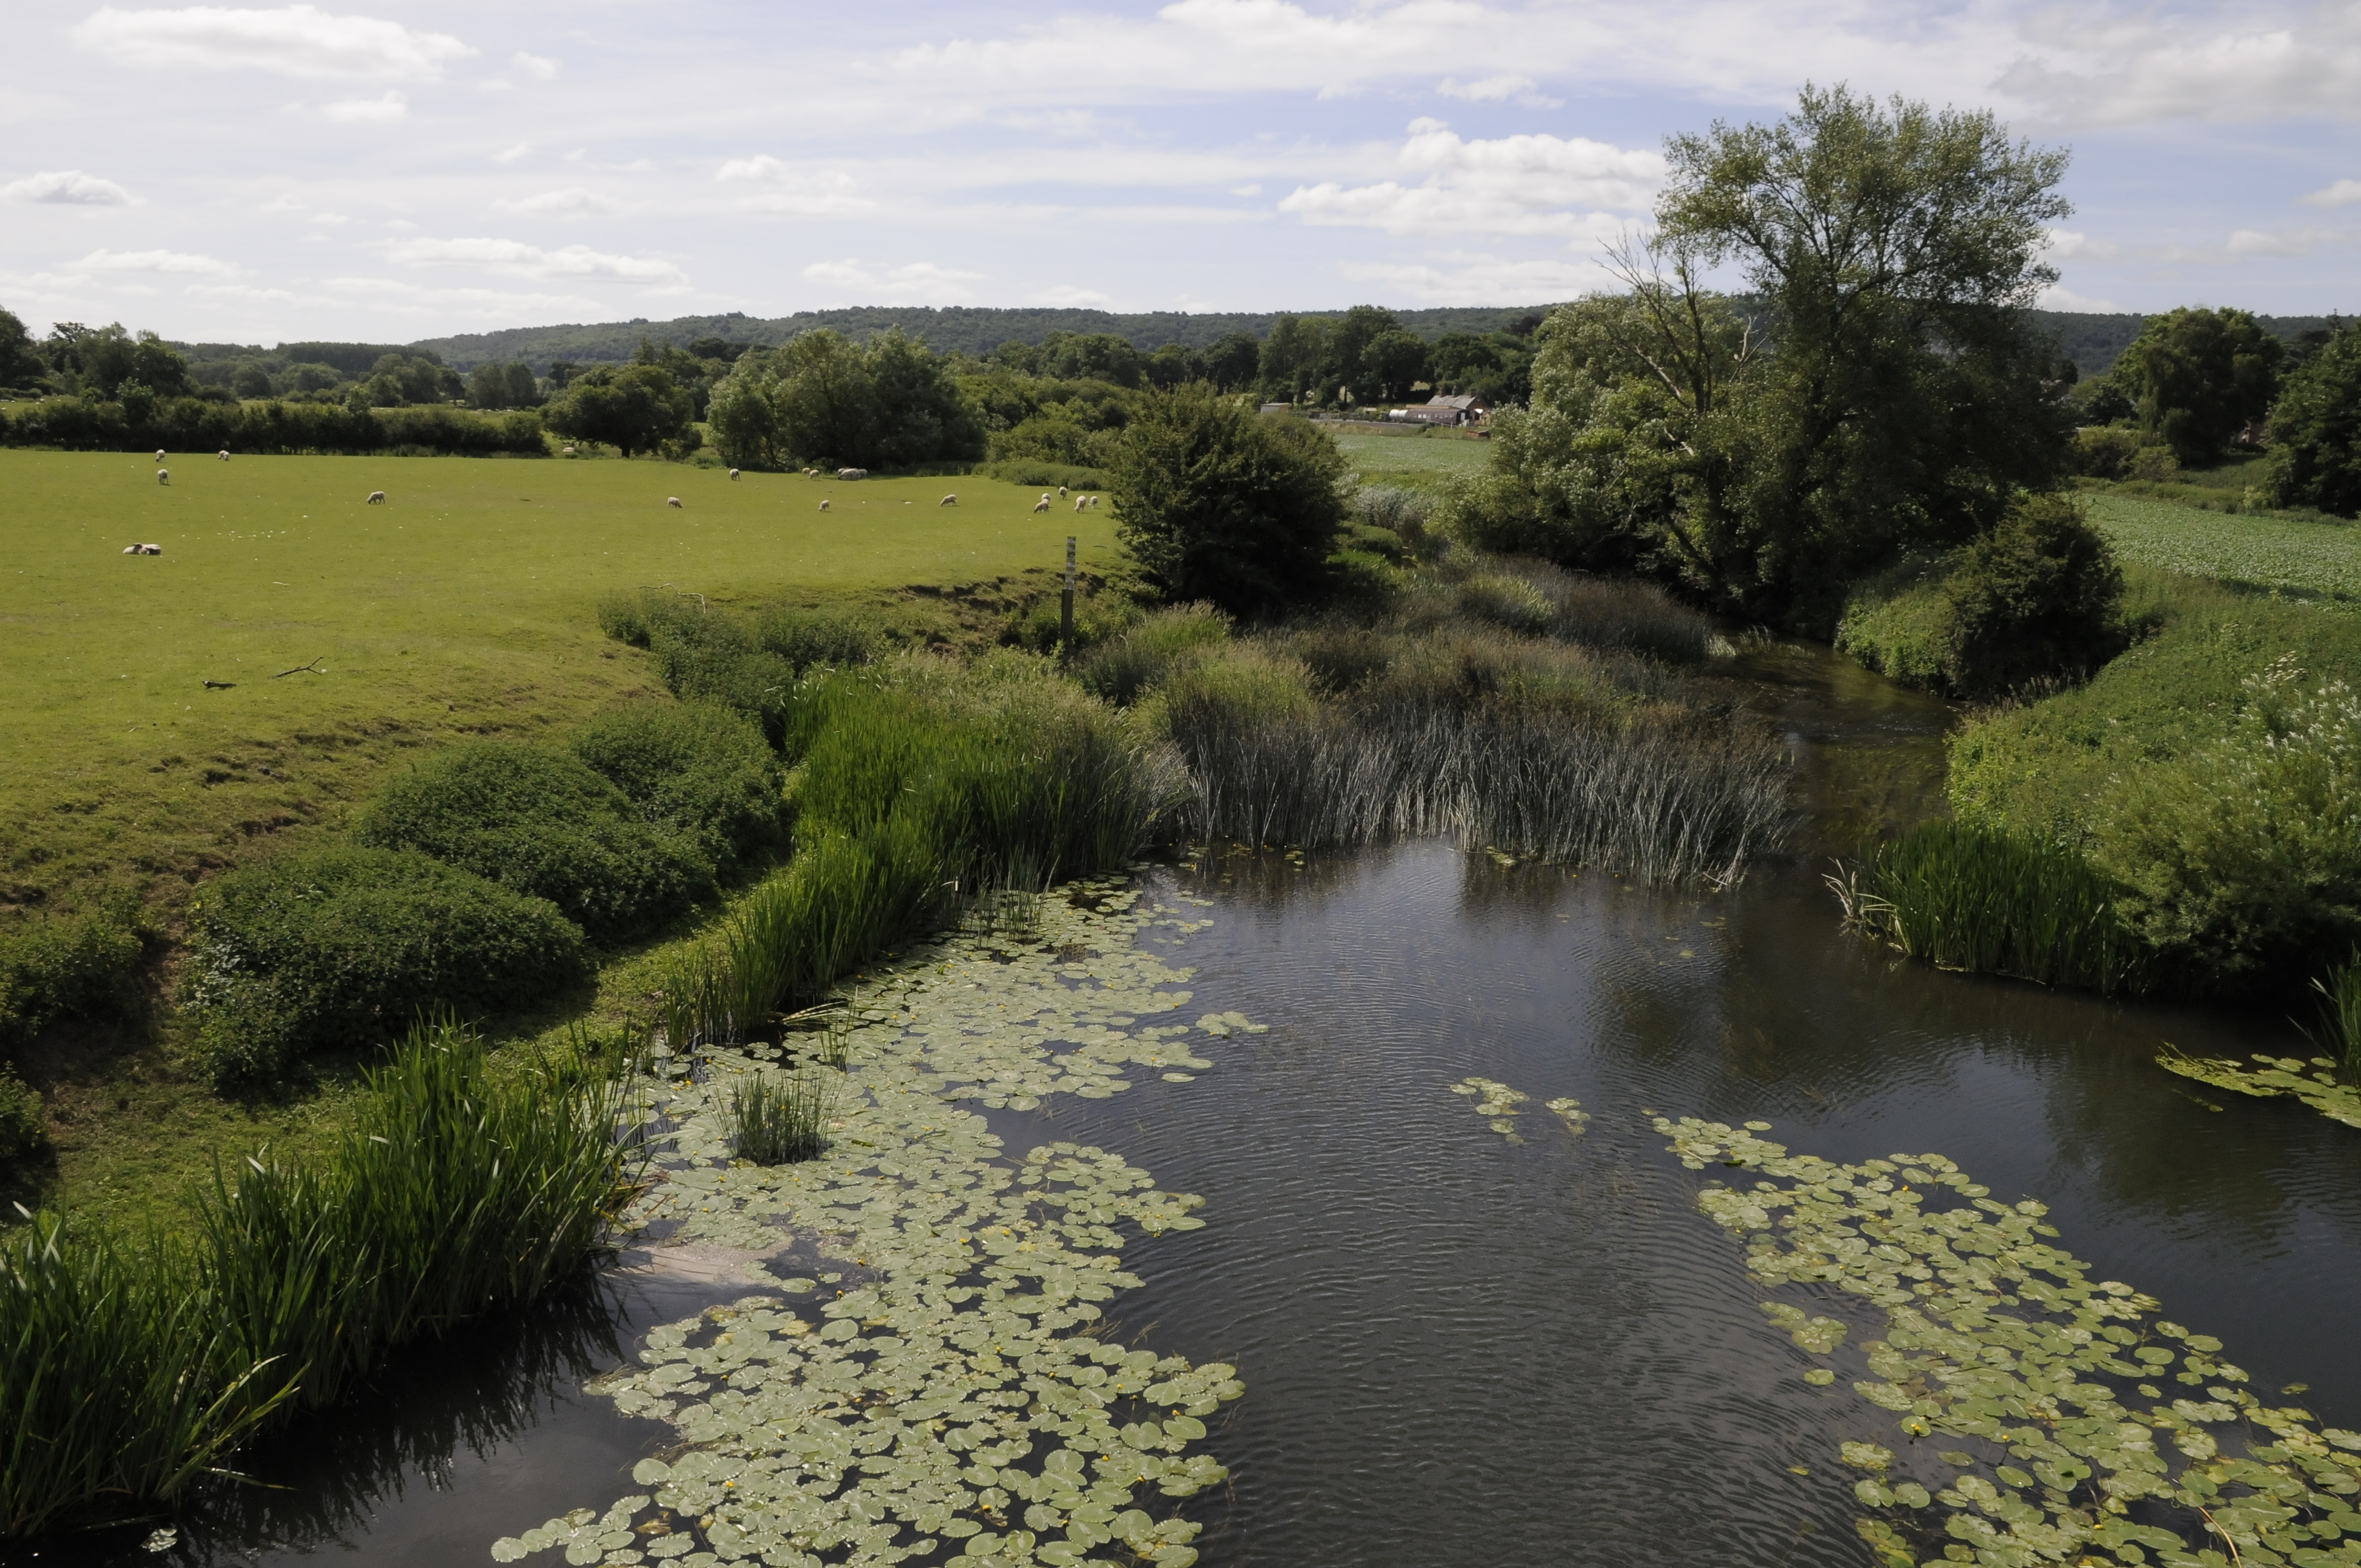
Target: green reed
x: 1996, y: 903
x: 2339, y: 1031
x: 128, y: 1369
x: 778, y: 1118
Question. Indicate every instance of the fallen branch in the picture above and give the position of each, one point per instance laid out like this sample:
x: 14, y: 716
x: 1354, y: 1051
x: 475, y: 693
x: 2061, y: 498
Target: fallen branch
x: 312, y: 667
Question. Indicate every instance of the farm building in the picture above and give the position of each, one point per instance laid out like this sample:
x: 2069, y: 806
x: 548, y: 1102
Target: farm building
x: 1466, y: 409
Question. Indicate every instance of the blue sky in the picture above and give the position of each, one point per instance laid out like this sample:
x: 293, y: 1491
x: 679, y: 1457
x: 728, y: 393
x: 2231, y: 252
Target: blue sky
x: 396, y: 171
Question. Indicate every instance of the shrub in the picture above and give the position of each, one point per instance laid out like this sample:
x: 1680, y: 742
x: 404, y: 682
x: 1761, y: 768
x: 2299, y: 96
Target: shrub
x: 2036, y: 599
x: 2316, y: 430
x: 23, y: 1129
x: 544, y: 823
x: 695, y: 768
x: 1144, y: 655
x: 1507, y: 601
x: 2105, y: 451
x: 1218, y: 503
x: 345, y: 946
x: 807, y: 637
x: 2244, y: 859
x: 58, y: 966
x: 1100, y: 614
x: 1032, y: 471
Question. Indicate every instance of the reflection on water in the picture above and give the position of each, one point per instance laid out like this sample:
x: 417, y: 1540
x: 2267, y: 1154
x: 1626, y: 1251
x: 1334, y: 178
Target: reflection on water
x: 1462, y: 1350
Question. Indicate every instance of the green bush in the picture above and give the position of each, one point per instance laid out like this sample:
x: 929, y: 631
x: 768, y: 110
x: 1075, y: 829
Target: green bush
x: 23, y: 1129
x: 2037, y: 598
x: 55, y: 966
x: 695, y: 768
x: 2316, y: 430
x: 543, y: 822
x: 807, y: 637
x: 347, y: 945
x: 1100, y: 615
x: 1032, y: 471
x: 2105, y: 451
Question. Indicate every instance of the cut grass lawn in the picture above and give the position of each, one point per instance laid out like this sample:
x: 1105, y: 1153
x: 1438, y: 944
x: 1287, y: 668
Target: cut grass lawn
x: 1424, y: 461
x: 2306, y: 559
x: 462, y: 606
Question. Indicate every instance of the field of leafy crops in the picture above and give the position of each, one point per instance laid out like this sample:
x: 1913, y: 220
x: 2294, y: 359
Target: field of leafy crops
x: 2320, y: 559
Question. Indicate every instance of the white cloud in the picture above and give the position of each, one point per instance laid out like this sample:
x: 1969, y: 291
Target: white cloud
x: 330, y: 220
x: 1254, y: 189
x: 2057, y: 297
x: 2128, y: 68
x: 1475, y: 278
x: 572, y: 202
x: 541, y: 68
x: 811, y: 192
x: 248, y: 293
x: 519, y: 260
x: 1519, y: 184
x: 2336, y: 195
x: 294, y: 40
x: 366, y: 110
x: 512, y: 154
x: 914, y: 283
x: 393, y: 297
x: 1068, y: 297
x: 1500, y: 90
x: 66, y: 188
x: 154, y: 261
x: 2066, y: 243
x: 286, y: 202
x: 2257, y: 242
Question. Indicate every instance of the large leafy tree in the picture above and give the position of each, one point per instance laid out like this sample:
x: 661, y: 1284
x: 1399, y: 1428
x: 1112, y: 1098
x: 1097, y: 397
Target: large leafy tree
x: 1218, y: 502
x: 633, y: 408
x: 20, y: 366
x: 2195, y: 378
x: 2316, y: 429
x: 823, y: 398
x: 1292, y: 355
x: 1882, y: 389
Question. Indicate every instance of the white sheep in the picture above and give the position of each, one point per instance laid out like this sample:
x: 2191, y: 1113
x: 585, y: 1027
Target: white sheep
x: 1043, y: 504
x: 1061, y: 492
x: 852, y: 473
x: 224, y: 454
x: 1081, y: 501
x: 143, y: 550
x: 671, y: 501
x: 377, y: 498
x: 160, y: 455
x: 567, y: 453
x: 733, y: 473
x: 163, y: 476
x: 1094, y: 503
x: 948, y: 500
x: 823, y: 503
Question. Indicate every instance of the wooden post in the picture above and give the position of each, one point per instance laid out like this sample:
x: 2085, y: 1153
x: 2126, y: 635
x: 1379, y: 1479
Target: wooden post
x: 1066, y: 603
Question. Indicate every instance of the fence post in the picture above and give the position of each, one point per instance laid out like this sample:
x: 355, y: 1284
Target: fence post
x: 1066, y: 603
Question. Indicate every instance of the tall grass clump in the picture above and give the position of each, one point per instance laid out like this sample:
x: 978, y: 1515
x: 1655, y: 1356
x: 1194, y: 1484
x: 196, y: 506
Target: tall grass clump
x: 130, y: 1368
x: 2339, y: 1032
x: 1122, y: 668
x: 1992, y: 902
x: 778, y: 1118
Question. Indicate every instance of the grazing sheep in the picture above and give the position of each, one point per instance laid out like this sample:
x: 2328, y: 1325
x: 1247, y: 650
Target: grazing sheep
x: 163, y: 476
x: 733, y: 473
x: 1081, y: 501
x: 948, y: 500
x: 1094, y: 503
x: 671, y: 501
x: 823, y: 503
x: 160, y: 455
x: 567, y: 453
x: 377, y: 498
x: 143, y: 550
x: 1061, y: 492
x: 852, y: 473
x: 1043, y: 504
x: 225, y: 454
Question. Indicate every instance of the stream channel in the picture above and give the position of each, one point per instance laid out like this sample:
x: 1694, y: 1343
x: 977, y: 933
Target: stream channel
x: 1461, y: 1348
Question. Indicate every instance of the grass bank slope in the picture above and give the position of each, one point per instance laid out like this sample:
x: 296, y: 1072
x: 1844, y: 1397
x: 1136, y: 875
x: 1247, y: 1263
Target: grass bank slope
x: 462, y: 606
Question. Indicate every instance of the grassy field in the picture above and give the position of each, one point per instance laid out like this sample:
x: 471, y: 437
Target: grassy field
x: 2321, y: 559
x: 153, y: 734
x: 1423, y: 461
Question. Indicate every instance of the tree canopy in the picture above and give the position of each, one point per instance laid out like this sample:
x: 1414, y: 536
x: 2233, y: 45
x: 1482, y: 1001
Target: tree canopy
x: 888, y: 404
x: 2316, y: 429
x: 632, y: 408
x: 2194, y: 379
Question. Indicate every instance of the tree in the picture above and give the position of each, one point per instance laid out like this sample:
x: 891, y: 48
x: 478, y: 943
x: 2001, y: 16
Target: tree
x: 1882, y: 392
x: 1173, y: 365
x: 822, y: 399
x: 19, y: 364
x: 632, y: 408
x: 1096, y: 356
x: 1345, y: 366
x: 1233, y: 361
x: 2196, y: 378
x: 249, y: 380
x: 1218, y: 502
x: 503, y: 387
x: 1392, y: 361
x: 1291, y: 356
x: 2316, y: 429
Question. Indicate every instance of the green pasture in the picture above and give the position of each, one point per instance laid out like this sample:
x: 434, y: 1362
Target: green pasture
x: 2257, y: 551
x: 1424, y: 460
x: 462, y: 606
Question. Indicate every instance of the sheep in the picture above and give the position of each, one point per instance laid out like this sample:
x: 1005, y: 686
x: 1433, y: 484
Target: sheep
x: 1081, y: 502
x: 1094, y: 503
x: 1061, y: 492
x: 823, y: 503
x: 673, y: 502
x: 377, y: 498
x: 733, y: 473
x: 224, y: 454
x: 160, y: 455
x: 948, y: 500
x: 852, y: 473
x: 143, y: 550
x: 1043, y: 504
x: 567, y: 453
x: 163, y: 476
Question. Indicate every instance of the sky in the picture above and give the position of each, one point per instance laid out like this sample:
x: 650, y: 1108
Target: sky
x: 364, y: 169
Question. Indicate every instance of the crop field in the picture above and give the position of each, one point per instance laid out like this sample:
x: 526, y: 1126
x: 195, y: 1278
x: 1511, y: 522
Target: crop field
x: 1413, y: 462
x: 2320, y: 559
x: 291, y: 641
